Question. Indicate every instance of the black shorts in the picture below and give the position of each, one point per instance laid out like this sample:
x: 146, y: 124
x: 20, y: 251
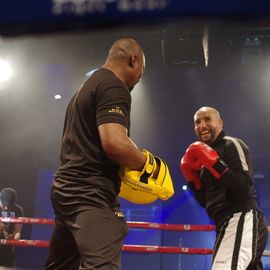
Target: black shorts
x: 90, y: 238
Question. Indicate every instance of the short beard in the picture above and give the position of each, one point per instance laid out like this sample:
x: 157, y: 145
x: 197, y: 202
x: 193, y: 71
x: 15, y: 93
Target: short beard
x: 210, y: 140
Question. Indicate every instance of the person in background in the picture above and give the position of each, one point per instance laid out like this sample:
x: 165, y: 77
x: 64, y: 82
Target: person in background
x: 9, y: 209
x: 218, y: 170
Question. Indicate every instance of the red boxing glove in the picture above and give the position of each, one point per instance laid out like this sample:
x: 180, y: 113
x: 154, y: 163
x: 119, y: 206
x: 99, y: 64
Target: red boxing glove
x: 190, y: 174
x: 203, y: 154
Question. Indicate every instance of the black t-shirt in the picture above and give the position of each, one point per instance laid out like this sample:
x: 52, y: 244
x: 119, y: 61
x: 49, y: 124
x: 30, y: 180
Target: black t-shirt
x: 12, y: 212
x: 85, y: 169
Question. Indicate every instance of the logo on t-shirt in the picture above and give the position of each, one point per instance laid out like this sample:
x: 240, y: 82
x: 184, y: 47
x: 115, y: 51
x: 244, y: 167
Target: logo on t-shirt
x: 116, y: 110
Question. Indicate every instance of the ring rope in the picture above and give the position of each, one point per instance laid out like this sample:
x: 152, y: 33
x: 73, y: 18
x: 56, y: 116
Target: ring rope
x: 127, y: 248
x: 170, y: 227
x: 131, y: 224
x: 27, y: 220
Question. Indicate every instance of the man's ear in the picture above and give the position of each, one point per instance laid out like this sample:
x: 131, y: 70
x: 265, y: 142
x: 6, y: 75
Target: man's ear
x: 221, y: 123
x: 132, y: 60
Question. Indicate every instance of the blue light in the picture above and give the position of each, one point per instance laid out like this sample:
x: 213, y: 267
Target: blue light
x: 184, y: 187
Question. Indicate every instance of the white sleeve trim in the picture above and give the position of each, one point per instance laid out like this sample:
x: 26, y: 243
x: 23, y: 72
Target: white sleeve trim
x: 240, y: 152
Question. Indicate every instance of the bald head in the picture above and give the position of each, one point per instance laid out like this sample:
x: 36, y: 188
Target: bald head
x: 207, y: 124
x: 123, y: 48
x: 126, y: 60
x: 209, y: 110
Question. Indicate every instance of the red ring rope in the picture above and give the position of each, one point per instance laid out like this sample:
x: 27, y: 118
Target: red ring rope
x: 131, y: 224
x: 128, y: 248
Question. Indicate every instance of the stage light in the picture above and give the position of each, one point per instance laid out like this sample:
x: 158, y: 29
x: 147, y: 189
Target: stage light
x: 57, y: 96
x: 5, y: 71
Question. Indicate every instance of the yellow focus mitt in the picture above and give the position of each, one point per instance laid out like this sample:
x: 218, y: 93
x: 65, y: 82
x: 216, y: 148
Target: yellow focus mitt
x: 135, y: 195
x: 141, y: 187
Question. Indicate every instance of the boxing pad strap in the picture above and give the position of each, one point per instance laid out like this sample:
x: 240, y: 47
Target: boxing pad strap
x: 149, y: 167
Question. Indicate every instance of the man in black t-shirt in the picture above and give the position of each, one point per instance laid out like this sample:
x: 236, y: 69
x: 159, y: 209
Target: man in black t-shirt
x: 9, y: 209
x: 90, y: 228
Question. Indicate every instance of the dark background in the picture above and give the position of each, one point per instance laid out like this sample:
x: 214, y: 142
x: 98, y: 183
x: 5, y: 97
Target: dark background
x: 175, y: 84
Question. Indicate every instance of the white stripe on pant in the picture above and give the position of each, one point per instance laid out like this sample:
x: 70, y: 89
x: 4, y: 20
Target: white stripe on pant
x: 235, y: 248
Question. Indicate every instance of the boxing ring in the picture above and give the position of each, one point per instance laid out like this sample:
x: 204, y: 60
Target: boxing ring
x: 127, y: 248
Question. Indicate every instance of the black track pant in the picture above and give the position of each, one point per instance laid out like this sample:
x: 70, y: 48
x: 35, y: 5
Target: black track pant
x: 240, y: 242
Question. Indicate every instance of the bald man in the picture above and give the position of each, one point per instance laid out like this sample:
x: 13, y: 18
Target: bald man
x: 90, y: 228
x: 218, y: 170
